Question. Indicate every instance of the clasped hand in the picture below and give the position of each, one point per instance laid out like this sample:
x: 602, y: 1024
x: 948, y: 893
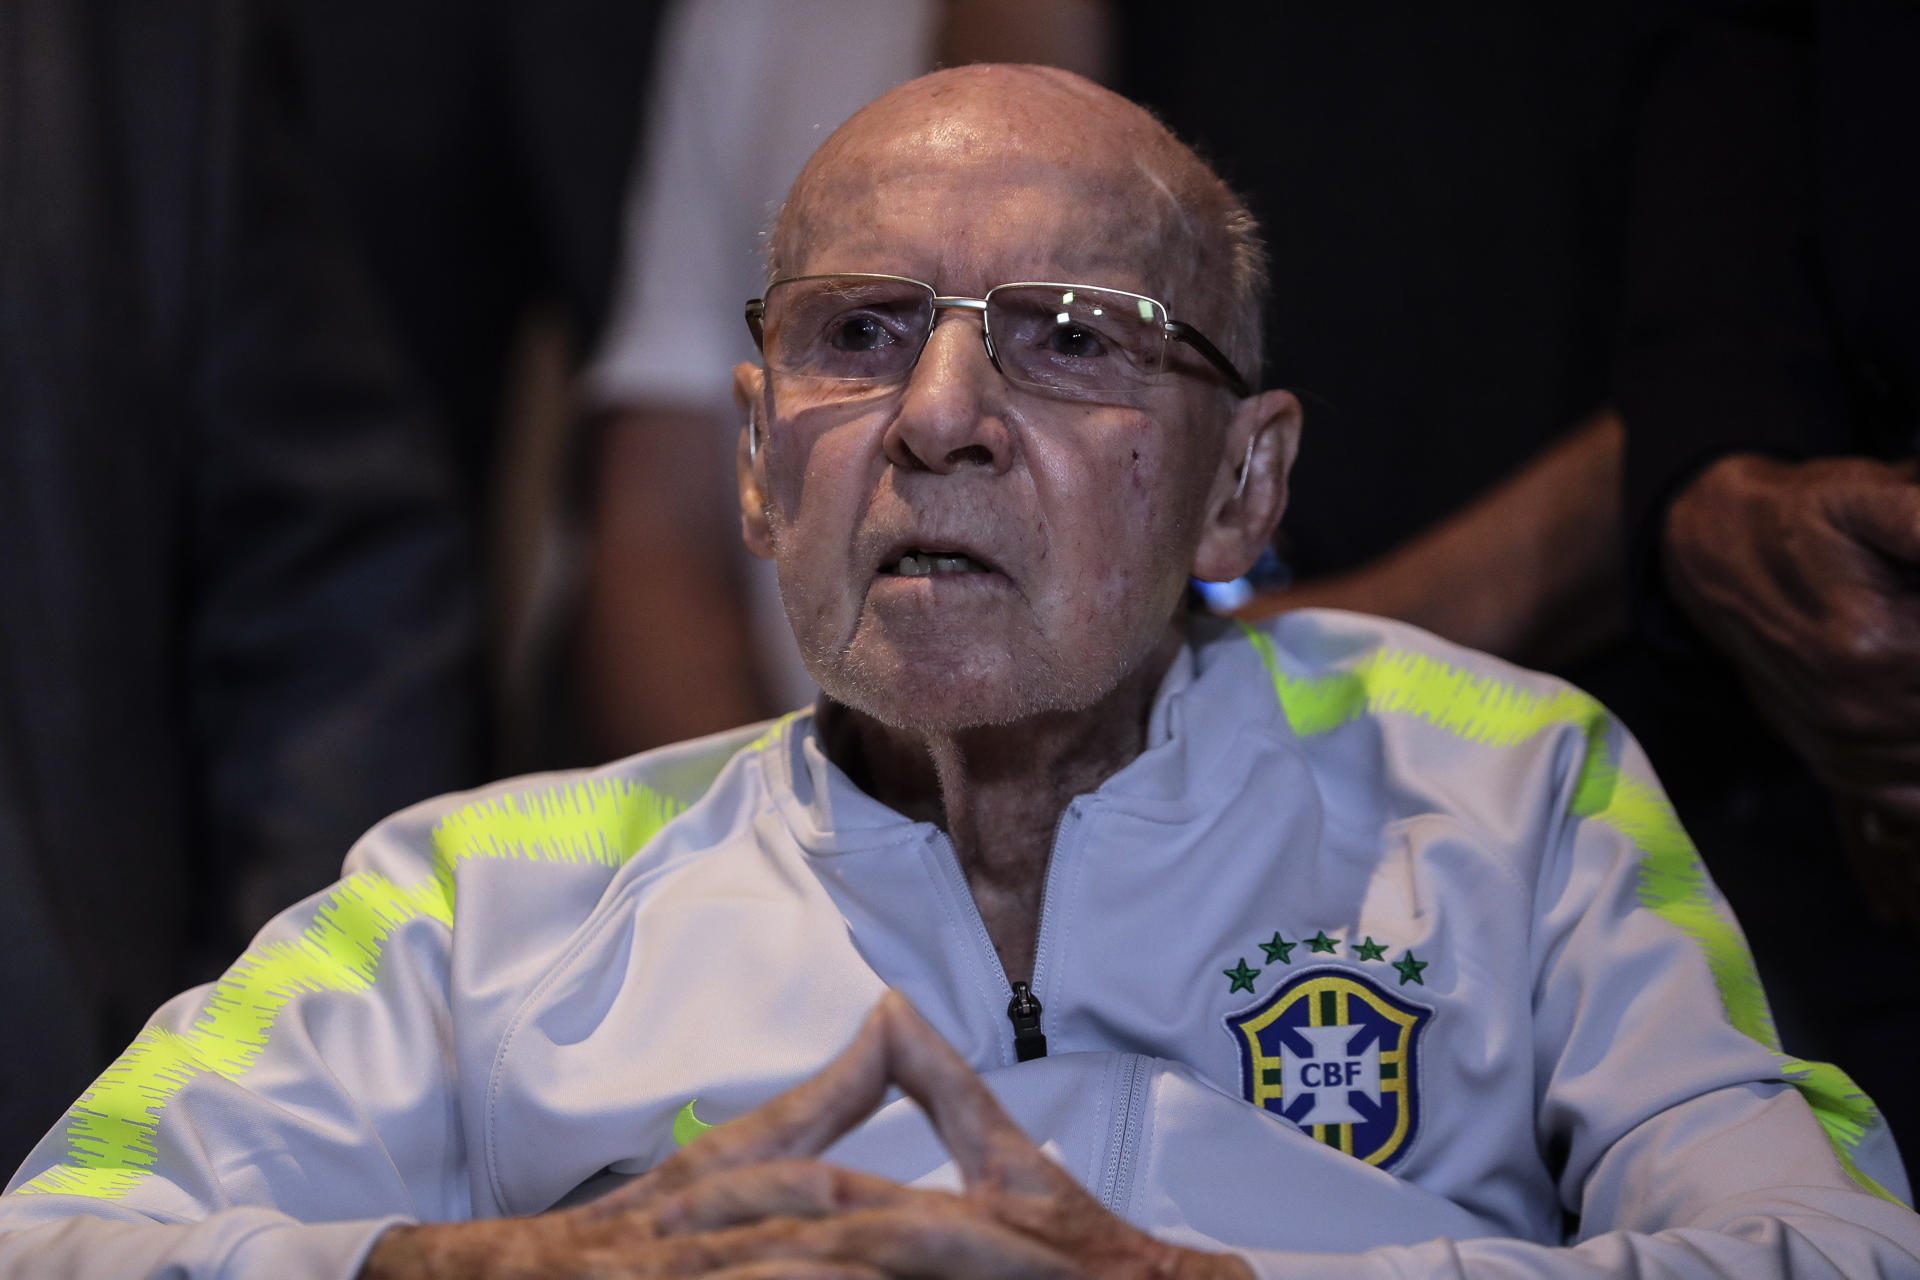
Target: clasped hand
x: 750, y: 1200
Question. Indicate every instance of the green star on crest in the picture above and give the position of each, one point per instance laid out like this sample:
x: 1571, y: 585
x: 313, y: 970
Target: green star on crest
x: 1371, y: 950
x: 1242, y: 977
x: 1410, y: 970
x: 1322, y: 944
x: 1279, y: 951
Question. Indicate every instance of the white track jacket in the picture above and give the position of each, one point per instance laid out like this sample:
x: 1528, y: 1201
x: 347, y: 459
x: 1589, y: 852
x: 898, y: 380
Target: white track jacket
x: 1384, y: 959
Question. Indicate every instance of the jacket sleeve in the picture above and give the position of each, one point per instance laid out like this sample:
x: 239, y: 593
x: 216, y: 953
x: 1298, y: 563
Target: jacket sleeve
x: 275, y: 1121
x: 1683, y: 1142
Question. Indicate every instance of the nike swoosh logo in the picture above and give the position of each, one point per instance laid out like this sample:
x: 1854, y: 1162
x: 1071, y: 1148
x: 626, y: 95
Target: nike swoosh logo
x: 688, y: 1126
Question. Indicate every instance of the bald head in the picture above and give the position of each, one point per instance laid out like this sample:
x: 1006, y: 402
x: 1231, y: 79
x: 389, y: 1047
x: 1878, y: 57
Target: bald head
x: 1009, y: 121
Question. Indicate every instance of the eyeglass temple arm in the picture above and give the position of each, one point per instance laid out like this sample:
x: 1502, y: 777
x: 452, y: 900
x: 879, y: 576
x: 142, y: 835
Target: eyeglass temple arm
x: 1198, y: 341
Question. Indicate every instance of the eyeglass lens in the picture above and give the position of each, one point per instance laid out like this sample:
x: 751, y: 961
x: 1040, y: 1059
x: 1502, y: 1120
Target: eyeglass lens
x: 1069, y: 339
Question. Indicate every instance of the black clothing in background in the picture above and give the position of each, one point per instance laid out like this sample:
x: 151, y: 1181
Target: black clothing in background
x: 481, y: 148
x: 238, y: 620
x: 1775, y: 252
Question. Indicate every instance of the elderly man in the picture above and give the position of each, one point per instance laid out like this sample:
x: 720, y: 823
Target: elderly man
x: 1323, y: 940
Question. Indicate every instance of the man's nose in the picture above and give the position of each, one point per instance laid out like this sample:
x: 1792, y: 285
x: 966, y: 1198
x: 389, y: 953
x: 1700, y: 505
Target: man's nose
x: 953, y: 411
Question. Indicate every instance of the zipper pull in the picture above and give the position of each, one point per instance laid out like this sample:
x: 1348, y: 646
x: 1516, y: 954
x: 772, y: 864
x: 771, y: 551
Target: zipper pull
x: 1023, y: 1011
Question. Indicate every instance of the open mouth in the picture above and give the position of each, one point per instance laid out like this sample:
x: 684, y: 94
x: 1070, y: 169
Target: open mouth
x: 920, y: 563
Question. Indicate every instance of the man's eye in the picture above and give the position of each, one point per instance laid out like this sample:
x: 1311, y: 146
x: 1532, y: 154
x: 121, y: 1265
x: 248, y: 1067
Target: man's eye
x: 1075, y: 340
x: 859, y: 333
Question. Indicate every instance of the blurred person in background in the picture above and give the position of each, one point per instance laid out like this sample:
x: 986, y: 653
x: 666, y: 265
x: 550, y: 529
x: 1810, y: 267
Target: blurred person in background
x: 1770, y: 382
x: 239, y: 615
x: 482, y: 149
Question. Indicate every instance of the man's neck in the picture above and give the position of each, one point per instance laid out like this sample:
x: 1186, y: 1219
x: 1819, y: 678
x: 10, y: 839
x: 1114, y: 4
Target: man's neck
x: 999, y: 790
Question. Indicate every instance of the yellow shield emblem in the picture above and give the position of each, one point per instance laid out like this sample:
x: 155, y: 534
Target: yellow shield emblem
x: 1338, y: 1055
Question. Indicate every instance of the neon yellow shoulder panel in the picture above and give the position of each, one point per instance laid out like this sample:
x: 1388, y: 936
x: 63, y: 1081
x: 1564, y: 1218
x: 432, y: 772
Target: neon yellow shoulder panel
x: 602, y: 820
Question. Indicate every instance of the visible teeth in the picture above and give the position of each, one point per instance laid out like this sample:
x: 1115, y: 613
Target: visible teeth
x: 920, y: 564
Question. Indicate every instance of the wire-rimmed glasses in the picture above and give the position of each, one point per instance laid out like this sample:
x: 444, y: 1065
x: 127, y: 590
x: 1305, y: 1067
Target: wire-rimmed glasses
x: 1068, y: 340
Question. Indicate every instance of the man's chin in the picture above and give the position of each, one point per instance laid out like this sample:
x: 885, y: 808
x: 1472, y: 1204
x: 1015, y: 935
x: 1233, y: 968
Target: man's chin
x: 936, y: 710
x: 936, y: 699
x: 928, y: 685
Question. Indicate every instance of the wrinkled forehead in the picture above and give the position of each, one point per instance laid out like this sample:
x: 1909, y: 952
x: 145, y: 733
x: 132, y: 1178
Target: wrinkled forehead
x: 998, y: 177
x: 962, y: 225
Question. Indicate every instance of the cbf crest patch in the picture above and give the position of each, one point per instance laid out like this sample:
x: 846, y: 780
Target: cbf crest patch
x: 1337, y: 1055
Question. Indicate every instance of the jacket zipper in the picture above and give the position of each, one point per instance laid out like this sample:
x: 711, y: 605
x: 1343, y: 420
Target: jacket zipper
x: 1023, y: 1009
x: 1029, y: 1041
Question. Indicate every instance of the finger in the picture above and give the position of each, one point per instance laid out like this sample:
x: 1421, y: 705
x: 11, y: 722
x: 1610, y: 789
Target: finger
x: 1882, y: 509
x: 989, y: 1148
x: 800, y: 1123
x: 787, y: 1189
x: 790, y: 1269
x: 955, y: 1240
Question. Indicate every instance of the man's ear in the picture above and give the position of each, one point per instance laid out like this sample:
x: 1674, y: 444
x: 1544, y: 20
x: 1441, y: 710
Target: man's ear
x: 1250, y: 492
x: 749, y: 459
